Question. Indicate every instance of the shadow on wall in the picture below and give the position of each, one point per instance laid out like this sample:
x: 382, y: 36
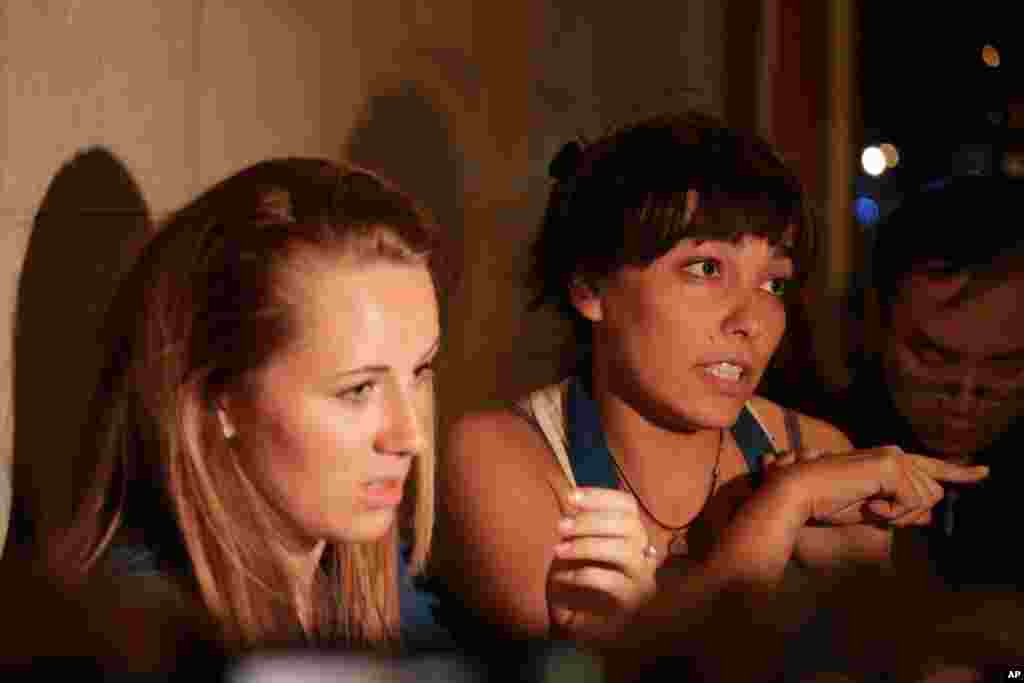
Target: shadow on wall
x: 87, y: 231
x: 403, y: 136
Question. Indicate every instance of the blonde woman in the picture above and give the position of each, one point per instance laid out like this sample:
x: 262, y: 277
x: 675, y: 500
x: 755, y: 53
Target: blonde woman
x: 262, y: 430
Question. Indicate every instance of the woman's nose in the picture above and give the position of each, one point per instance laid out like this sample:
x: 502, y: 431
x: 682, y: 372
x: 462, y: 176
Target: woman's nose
x: 402, y: 432
x: 745, y: 318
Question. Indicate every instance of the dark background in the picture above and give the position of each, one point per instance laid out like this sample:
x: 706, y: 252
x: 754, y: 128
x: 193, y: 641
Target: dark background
x: 926, y: 89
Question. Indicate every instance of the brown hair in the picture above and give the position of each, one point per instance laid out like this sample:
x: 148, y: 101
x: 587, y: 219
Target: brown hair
x: 212, y: 297
x: 621, y: 200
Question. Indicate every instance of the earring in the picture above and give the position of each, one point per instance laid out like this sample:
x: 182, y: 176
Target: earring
x: 226, y: 427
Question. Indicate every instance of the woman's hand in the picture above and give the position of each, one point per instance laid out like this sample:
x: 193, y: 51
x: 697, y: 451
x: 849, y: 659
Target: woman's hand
x: 875, y: 485
x: 604, y: 564
x: 787, y: 458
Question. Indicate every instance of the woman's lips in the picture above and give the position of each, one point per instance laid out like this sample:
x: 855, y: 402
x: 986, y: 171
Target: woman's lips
x: 383, y: 492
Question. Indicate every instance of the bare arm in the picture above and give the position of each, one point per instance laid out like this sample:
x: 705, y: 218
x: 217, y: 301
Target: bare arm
x: 538, y: 553
x: 499, y: 493
x: 749, y: 557
x: 501, y: 498
x: 502, y: 495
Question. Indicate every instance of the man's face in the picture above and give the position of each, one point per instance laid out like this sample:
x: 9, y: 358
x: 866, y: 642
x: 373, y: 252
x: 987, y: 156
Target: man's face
x: 954, y: 357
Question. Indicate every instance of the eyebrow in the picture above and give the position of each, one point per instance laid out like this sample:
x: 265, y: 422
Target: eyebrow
x: 379, y: 369
x: 780, y: 250
x: 920, y: 338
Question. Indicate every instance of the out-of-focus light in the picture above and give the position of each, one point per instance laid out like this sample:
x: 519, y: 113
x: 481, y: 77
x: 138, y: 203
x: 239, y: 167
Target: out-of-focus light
x: 873, y: 161
x: 990, y: 55
x: 866, y: 210
x: 891, y: 154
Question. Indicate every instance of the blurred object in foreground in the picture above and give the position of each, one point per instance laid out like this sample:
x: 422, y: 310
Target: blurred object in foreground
x: 324, y: 668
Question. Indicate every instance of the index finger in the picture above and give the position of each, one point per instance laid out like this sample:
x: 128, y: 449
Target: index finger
x: 941, y: 470
x: 597, y: 498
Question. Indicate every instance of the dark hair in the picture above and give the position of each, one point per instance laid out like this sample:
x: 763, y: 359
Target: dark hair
x: 962, y: 223
x: 215, y: 294
x: 622, y: 201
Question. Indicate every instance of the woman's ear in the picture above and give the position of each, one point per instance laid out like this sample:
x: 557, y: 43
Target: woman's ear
x: 586, y: 299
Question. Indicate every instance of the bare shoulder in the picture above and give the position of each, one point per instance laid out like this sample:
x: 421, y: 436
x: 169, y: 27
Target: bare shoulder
x: 500, y: 499
x: 500, y: 453
x: 816, y: 433
x: 500, y: 440
x: 494, y: 425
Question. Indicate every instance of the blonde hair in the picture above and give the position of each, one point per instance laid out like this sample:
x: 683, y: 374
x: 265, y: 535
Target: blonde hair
x: 211, y: 298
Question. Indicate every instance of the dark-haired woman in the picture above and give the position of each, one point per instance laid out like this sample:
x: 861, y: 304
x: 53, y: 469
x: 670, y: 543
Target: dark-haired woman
x: 612, y: 506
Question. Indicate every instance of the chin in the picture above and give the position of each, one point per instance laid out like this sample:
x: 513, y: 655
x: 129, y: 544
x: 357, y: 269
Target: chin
x: 688, y: 406
x: 716, y: 414
x: 366, y: 527
x: 720, y: 412
x: 717, y: 410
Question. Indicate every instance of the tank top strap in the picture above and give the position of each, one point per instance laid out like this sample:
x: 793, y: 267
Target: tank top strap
x: 796, y: 439
x: 589, y: 457
x: 752, y: 439
x: 545, y: 411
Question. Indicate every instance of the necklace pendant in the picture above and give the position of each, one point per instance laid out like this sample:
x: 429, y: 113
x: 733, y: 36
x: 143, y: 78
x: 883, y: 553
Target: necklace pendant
x: 678, y: 545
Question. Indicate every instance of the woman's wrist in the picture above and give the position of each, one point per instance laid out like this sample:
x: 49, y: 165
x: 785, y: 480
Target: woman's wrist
x: 787, y: 494
x: 758, y: 543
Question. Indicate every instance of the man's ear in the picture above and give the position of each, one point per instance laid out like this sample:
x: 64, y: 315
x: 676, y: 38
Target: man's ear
x: 586, y: 299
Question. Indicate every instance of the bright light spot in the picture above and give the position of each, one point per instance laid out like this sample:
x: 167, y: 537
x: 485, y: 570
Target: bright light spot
x: 873, y: 161
x: 891, y: 154
x: 866, y: 210
x: 990, y: 55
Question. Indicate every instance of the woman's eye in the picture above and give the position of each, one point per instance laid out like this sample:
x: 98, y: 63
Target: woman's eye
x: 425, y: 372
x: 706, y: 268
x: 359, y: 393
x: 776, y: 286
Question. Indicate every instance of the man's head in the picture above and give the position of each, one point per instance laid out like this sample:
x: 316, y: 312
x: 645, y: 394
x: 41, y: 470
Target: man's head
x: 949, y: 270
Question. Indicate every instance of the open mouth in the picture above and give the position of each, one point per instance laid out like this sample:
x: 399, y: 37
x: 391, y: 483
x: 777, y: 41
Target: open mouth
x: 727, y: 371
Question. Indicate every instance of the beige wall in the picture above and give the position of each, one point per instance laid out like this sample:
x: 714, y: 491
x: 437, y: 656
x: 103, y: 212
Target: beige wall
x: 176, y: 94
x: 462, y: 102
